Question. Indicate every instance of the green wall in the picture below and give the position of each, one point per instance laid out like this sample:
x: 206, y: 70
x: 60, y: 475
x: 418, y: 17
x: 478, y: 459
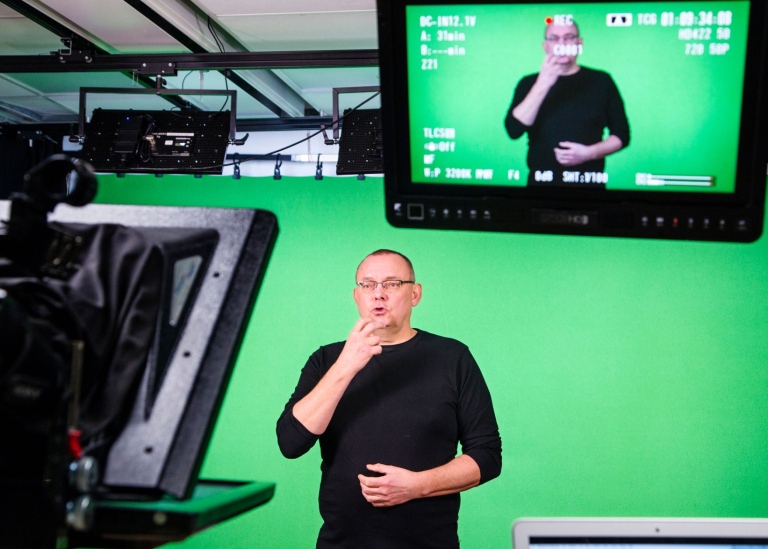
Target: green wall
x: 629, y: 376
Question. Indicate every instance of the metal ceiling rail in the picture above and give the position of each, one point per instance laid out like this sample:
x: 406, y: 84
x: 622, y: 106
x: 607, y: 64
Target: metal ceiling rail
x: 154, y: 64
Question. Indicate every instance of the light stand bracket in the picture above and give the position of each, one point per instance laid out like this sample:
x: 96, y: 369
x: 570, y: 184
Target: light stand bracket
x: 80, y: 137
x: 336, y: 92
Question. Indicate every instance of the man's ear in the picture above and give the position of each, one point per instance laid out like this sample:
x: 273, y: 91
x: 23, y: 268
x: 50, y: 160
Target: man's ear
x: 415, y: 294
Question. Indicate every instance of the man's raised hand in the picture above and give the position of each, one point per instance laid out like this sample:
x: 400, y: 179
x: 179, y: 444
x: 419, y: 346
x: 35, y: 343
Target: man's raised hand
x: 362, y: 344
x: 550, y: 71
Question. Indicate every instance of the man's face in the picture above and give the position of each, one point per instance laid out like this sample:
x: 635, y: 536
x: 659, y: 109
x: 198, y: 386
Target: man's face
x: 563, y: 42
x: 393, y: 310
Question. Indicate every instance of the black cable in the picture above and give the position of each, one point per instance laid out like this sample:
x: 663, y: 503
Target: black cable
x: 220, y: 45
x: 321, y: 130
x: 226, y: 86
x: 185, y: 79
x: 144, y: 148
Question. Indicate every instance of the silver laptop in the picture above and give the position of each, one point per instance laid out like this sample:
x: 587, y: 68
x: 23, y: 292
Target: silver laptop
x: 639, y: 533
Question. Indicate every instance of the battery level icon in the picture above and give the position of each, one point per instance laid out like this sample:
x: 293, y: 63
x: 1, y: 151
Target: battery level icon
x: 618, y: 20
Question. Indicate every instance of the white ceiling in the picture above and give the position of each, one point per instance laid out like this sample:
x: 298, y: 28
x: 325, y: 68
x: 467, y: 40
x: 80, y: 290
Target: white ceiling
x: 118, y: 28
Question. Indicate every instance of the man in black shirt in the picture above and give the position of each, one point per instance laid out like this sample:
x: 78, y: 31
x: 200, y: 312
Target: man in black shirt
x: 565, y: 109
x: 389, y: 407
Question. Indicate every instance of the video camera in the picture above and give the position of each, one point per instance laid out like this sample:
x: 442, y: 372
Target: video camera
x: 120, y: 328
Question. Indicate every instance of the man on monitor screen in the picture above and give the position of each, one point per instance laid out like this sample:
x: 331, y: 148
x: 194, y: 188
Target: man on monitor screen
x: 389, y: 407
x: 565, y: 109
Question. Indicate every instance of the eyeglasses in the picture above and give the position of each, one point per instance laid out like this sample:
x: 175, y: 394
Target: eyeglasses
x: 389, y: 286
x: 567, y: 39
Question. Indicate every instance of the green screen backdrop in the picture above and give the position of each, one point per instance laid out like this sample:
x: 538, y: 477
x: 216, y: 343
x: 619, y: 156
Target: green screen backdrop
x: 629, y: 377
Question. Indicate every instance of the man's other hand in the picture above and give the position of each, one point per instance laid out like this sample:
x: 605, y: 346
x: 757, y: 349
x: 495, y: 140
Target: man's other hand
x: 394, y: 487
x: 572, y: 154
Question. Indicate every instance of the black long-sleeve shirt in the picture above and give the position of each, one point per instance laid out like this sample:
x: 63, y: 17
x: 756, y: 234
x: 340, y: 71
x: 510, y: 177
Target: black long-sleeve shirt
x: 578, y: 108
x: 409, y: 407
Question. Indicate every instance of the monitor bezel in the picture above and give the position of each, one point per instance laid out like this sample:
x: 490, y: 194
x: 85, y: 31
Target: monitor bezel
x: 752, y: 162
x: 641, y: 530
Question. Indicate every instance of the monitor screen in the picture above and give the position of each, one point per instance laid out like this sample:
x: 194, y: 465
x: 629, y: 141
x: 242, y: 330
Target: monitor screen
x: 629, y: 118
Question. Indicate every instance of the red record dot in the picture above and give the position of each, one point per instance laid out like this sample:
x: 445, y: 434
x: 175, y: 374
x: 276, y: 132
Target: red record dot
x: 548, y: 20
